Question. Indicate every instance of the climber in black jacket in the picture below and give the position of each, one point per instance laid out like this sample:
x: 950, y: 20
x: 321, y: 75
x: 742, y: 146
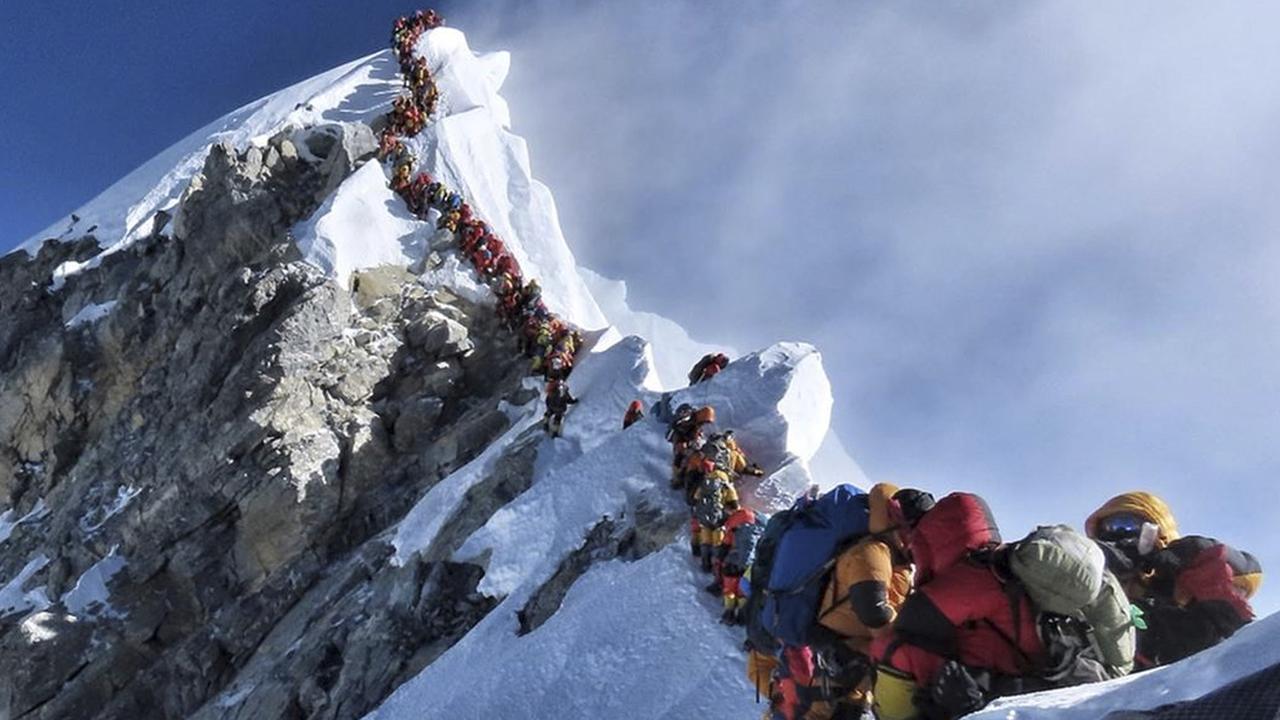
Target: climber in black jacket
x: 558, y: 401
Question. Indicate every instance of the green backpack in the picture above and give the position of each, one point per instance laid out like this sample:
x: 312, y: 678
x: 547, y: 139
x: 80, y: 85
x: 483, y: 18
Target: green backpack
x: 1065, y: 575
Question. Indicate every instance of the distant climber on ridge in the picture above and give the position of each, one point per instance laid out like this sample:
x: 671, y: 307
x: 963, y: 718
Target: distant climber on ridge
x: 635, y: 413
x: 558, y: 401
x: 707, y: 367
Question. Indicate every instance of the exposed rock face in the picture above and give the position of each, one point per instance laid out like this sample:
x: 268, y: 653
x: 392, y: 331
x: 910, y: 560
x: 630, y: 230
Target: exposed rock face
x: 241, y: 430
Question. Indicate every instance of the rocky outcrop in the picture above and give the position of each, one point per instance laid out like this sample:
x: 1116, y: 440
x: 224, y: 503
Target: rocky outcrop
x: 241, y: 431
x: 628, y: 539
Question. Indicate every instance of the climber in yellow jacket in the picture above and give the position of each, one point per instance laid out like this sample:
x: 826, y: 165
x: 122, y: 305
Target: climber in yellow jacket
x: 868, y: 584
x: 714, y: 498
x: 1193, y: 591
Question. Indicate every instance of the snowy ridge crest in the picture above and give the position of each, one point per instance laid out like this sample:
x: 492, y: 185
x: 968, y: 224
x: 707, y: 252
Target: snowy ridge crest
x: 639, y: 608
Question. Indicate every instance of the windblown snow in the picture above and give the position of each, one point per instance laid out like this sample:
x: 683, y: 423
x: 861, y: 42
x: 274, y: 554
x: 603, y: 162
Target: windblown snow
x: 631, y: 639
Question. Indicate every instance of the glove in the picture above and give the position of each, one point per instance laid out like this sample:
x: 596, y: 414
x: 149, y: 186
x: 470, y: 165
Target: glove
x: 954, y: 693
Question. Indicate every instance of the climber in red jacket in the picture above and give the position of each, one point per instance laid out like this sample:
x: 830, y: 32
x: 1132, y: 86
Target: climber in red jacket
x: 1198, y: 595
x: 635, y: 413
x: 506, y: 263
x: 730, y: 572
x: 707, y: 367
x: 960, y: 637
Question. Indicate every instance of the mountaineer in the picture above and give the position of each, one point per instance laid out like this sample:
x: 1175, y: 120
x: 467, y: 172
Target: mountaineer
x: 988, y: 619
x: 707, y: 367
x: 1193, y: 592
x: 635, y: 413
x: 558, y: 401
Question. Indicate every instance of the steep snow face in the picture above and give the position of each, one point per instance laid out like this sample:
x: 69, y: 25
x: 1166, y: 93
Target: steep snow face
x: 90, y: 595
x: 15, y: 597
x: 642, y: 633
x: 356, y: 92
x: 631, y: 640
x: 470, y: 149
x: 1254, y: 648
x: 361, y: 225
x: 91, y: 313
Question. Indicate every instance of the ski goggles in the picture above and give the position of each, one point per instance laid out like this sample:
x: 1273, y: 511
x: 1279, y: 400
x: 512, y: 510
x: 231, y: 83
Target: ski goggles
x: 1122, y: 526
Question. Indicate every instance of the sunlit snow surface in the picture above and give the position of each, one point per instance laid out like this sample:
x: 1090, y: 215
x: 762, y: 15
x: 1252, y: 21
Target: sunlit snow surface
x: 1255, y: 647
x: 363, y: 224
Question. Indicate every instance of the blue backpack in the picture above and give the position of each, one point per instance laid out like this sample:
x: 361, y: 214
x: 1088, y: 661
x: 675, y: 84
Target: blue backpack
x: 805, y: 552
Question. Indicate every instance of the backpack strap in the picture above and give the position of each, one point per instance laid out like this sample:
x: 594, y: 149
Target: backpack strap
x: 835, y: 585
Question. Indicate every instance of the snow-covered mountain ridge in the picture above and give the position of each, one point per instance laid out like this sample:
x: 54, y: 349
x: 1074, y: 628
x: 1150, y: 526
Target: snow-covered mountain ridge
x: 360, y: 516
x: 360, y: 497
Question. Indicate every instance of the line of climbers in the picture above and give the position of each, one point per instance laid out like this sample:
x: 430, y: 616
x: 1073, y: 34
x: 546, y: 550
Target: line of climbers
x: 551, y: 343
x: 883, y: 599
x: 889, y: 602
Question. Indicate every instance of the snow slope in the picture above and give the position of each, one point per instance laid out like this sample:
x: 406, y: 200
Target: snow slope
x: 1255, y: 647
x: 620, y: 617
x: 363, y: 224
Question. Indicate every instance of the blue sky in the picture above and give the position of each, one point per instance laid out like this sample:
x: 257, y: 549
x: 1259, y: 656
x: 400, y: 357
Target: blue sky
x: 1037, y: 244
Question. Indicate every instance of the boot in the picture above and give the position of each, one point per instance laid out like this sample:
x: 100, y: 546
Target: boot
x: 715, y: 587
x: 706, y: 558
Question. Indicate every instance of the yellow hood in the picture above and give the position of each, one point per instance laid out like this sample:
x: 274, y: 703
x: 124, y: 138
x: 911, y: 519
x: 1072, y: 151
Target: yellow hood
x: 878, y: 499
x: 1142, y: 504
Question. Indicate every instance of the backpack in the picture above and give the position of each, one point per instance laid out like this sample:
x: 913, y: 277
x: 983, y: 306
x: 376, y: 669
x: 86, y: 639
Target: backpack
x: 718, y: 451
x: 801, y: 559
x: 758, y: 636
x: 746, y: 538
x: 1060, y: 569
x: 708, y: 508
x: 1084, y: 620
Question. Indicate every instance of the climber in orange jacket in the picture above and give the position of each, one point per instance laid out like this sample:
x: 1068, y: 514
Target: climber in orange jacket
x: 687, y: 425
